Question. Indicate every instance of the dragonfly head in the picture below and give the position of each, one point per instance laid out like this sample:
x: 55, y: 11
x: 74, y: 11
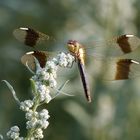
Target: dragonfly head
x: 73, y: 46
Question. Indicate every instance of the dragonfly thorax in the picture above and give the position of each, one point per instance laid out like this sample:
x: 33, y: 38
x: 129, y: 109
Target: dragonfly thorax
x: 76, y: 50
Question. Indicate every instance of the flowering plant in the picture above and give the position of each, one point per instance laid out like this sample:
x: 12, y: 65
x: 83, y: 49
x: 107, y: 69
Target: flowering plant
x: 42, y: 82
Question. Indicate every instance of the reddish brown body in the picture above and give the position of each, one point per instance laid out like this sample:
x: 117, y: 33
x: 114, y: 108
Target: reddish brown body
x: 78, y: 51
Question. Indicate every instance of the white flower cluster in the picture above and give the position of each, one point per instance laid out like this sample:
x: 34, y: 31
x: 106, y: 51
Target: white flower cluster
x: 37, y: 121
x: 44, y: 92
x: 13, y: 133
x: 26, y: 105
x: 65, y: 60
x: 43, y: 80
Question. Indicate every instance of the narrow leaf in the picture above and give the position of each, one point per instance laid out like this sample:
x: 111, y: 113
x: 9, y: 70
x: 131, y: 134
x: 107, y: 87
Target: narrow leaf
x: 33, y: 86
x: 59, y: 91
x: 12, y: 91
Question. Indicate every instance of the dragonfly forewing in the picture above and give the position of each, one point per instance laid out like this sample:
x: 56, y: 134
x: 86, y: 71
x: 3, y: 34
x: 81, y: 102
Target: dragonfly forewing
x: 117, y: 46
x: 29, y: 36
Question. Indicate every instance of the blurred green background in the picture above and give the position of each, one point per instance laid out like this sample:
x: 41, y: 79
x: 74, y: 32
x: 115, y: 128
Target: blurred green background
x: 115, y: 112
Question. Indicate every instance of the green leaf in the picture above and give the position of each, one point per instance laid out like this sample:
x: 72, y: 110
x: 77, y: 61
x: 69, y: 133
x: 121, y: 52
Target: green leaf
x: 33, y: 87
x: 59, y: 90
x: 12, y: 91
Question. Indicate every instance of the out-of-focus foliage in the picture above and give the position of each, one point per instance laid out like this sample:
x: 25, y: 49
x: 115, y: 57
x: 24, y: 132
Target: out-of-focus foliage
x: 115, y: 110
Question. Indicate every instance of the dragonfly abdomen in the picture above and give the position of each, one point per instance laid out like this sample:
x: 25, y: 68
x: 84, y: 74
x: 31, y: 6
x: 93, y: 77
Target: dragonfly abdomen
x: 84, y: 80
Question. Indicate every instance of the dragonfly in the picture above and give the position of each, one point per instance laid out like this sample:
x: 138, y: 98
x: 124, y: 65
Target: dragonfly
x: 120, y: 68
